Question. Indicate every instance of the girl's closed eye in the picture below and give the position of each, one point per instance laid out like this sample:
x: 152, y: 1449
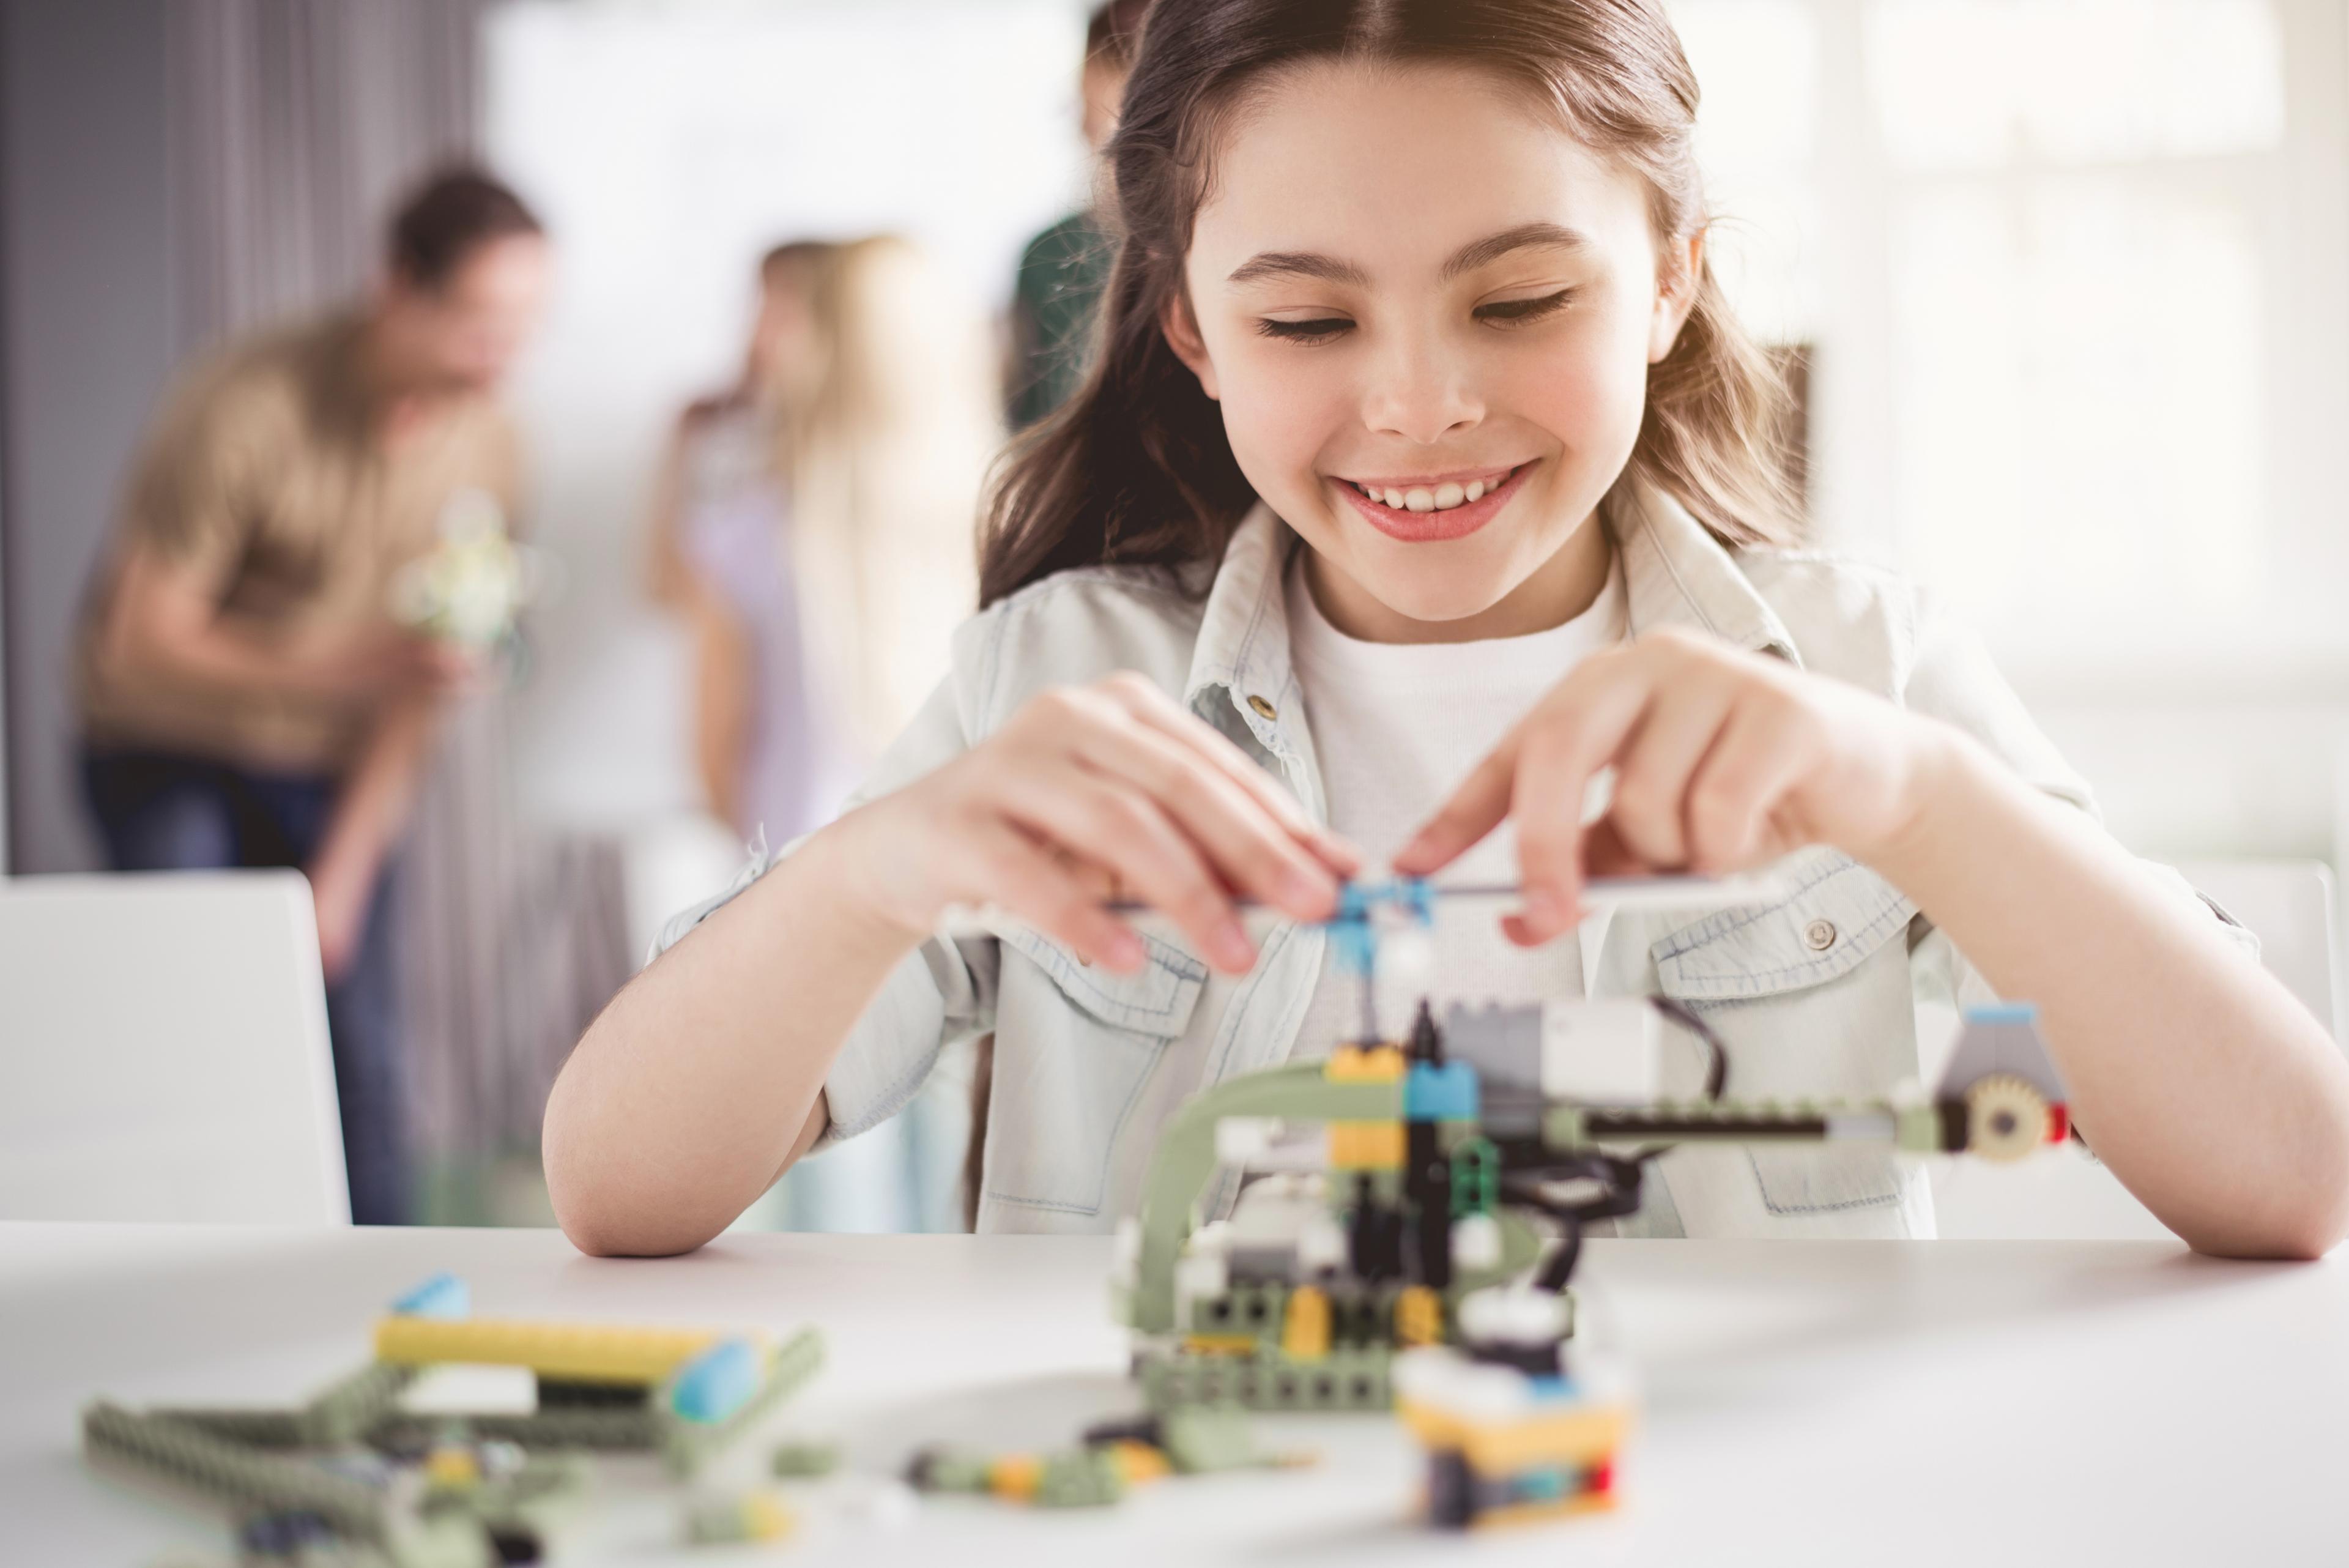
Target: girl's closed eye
x: 1499, y: 312
x: 1513, y: 312
x: 1321, y: 329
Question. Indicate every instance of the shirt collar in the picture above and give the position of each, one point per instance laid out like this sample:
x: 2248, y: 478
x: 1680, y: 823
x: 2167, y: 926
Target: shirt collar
x: 1239, y: 666
x: 1675, y: 574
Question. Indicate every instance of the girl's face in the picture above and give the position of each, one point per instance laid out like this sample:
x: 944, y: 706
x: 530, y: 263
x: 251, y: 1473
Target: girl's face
x: 1408, y: 289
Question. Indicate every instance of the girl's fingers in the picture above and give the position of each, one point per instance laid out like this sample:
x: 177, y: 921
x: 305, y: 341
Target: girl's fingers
x: 1660, y: 761
x: 1125, y: 830
x: 1473, y: 810
x: 1150, y: 706
x: 1740, y: 783
x: 1249, y: 848
x: 1604, y: 853
x: 1574, y: 735
x: 1028, y: 880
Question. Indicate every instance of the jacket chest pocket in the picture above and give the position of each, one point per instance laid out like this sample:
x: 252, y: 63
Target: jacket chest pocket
x: 1812, y: 999
x: 1074, y: 1047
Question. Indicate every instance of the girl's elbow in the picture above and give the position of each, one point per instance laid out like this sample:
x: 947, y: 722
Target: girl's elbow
x: 2309, y: 1223
x: 600, y: 1225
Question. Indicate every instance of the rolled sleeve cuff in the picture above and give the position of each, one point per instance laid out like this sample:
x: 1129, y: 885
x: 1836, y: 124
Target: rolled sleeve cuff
x: 896, y: 1040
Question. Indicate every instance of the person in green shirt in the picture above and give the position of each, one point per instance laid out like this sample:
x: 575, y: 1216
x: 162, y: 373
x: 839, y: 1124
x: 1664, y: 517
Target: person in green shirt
x: 1064, y: 269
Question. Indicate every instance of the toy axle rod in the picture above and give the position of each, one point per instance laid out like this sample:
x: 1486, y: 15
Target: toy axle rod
x: 1696, y: 893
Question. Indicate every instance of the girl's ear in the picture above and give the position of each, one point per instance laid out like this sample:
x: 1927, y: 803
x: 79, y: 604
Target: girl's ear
x: 1182, y: 330
x: 1679, y: 265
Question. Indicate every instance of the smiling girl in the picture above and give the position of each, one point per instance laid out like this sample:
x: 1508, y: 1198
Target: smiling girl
x: 1423, y: 479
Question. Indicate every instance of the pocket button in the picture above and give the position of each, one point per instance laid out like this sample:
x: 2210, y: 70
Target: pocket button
x: 1819, y: 935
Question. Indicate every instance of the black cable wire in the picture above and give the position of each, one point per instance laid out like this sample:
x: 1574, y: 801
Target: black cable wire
x: 1618, y: 1181
x: 1716, y: 1076
x: 1716, y: 1072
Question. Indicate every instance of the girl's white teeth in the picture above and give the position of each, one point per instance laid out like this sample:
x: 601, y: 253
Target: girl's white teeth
x: 1442, y: 498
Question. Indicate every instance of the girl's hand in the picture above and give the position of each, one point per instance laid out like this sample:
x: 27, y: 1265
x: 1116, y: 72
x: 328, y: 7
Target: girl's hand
x: 1724, y: 760
x: 1089, y: 791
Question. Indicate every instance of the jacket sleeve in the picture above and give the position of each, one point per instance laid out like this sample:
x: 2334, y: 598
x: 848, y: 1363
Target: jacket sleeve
x: 943, y: 991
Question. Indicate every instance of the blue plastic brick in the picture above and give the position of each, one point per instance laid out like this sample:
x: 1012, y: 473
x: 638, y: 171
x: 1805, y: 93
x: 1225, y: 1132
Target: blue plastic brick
x: 1446, y: 1094
x: 717, y: 1382
x: 1545, y: 1485
x: 442, y: 1296
x: 2003, y: 1012
x: 1351, y: 928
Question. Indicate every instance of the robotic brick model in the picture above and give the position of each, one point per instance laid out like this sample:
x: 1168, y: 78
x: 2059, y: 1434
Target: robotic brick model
x: 1387, y: 1263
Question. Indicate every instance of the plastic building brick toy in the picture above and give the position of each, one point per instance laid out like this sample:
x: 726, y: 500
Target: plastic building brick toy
x: 442, y: 1296
x: 562, y: 1353
x: 753, y: 1516
x: 1510, y: 1436
x: 800, y: 1458
x: 353, y: 1470
x: 1112, y: 1457
x: 1381, y: 1265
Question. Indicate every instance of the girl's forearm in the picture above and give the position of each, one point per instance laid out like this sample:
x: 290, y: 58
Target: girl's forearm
x: 703, y: 1080
x: 2210, y: 1091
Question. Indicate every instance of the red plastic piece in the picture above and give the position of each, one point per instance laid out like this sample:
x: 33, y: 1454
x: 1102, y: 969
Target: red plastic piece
x: 1601, y: 1478
x: 2059, y: 1122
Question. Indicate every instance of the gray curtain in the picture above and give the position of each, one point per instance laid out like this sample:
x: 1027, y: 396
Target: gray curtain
x: 296, y: 125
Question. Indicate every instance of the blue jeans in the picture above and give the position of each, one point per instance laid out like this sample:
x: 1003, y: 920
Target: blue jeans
x: 164, y: 813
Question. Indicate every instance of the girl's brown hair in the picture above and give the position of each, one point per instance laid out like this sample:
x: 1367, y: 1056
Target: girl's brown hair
x: 1136, y: 470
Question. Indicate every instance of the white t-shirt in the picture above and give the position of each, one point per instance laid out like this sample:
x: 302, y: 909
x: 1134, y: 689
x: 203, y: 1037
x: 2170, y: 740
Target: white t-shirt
x: 1397, y: 727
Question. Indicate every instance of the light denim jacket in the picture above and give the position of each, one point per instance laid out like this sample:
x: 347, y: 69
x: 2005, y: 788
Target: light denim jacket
x: 1815, y: 996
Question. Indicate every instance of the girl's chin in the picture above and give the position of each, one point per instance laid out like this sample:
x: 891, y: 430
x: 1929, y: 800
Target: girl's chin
x: 1428, y: 596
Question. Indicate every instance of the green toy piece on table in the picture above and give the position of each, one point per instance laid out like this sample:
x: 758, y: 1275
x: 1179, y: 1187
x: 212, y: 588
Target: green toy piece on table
x: 457, y: 1491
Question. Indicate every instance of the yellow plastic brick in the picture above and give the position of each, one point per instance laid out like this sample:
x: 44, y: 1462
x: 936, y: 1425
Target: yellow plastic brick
x: 1365, y: 1146
x: 581, y: 1353
x: 1584, y: 1435
x: 765, y: 1517
x: 1014, y: 1477
x: 1354, y: 1064
x: 1139, y: 1462
x: 1418, y: 1316
x: 1305, y: 1333
x: 453, y: 1469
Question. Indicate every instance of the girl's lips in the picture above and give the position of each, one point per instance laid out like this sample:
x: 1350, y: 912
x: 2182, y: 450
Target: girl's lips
x: 1428, y: 528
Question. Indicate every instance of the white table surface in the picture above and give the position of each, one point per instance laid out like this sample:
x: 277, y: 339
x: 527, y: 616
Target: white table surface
x: 1893, y: 1403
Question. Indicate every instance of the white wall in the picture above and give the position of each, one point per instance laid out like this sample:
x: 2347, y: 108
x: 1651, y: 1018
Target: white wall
x: 668, y: 147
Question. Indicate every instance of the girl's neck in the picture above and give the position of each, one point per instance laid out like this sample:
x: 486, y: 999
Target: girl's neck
x: 1559, y: 589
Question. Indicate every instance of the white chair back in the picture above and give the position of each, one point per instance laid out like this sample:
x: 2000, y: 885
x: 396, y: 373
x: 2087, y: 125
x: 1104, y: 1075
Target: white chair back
x: 2066, y: 1194
x: 164, y: 1052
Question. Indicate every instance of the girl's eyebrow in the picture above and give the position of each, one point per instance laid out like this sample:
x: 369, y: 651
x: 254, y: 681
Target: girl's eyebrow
x: 1297, y: 264
x: 1467, y: 258
x: 1524, y: 236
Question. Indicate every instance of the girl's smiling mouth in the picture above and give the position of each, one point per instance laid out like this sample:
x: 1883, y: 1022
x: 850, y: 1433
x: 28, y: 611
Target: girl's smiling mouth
x: 1427, y: 508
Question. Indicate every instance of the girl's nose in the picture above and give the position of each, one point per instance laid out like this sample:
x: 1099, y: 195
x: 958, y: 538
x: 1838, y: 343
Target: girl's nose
x: 1420, y: 392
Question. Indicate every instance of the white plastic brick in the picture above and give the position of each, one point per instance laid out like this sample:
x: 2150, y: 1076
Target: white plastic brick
x: 1600, y: 1053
